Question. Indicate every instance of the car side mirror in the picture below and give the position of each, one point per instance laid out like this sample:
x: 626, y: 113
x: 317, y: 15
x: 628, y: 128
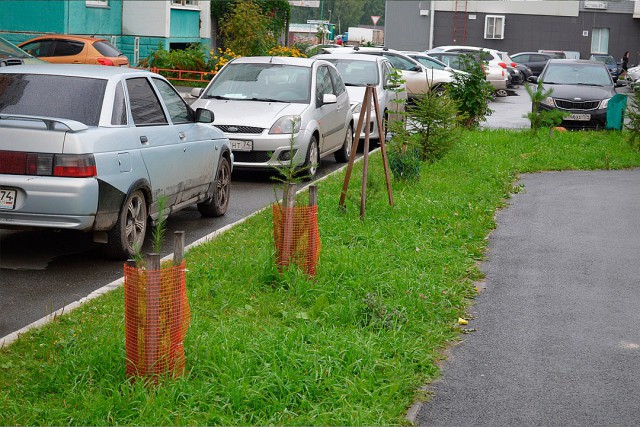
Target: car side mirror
x: 329, y: 98
x: 533, y: 79
x: 449, y: 69
x: 196, y: 92
x: 204, y: 116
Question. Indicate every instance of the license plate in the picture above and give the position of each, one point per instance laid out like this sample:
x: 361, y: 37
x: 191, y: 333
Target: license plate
x: 238, y: 145
x: 579, y: 117
x: 7, y: 199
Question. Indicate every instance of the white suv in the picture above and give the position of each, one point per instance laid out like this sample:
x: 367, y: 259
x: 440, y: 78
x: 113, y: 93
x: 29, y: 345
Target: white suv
x: 494, y: 62
x: 418, y: 78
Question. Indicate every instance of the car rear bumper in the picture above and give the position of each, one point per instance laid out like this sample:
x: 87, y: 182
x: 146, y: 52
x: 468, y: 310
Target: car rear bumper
x: 50, y: 202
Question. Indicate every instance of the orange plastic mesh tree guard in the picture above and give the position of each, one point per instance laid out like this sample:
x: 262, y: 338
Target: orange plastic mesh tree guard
x: 296, y: 237
x: 157, y: 317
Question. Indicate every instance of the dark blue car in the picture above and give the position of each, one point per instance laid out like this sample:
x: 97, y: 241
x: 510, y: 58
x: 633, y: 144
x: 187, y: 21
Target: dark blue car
x: 612, y: 65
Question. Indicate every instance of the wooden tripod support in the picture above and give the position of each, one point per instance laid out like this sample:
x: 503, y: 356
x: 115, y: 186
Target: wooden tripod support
x: 369, y: 95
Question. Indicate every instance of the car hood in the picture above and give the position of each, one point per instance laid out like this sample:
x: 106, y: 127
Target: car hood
x: 581, y: 92
x: 356, y: 93
x: 248, y: 113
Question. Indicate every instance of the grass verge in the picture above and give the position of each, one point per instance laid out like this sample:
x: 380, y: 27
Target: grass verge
x: 351, y: 347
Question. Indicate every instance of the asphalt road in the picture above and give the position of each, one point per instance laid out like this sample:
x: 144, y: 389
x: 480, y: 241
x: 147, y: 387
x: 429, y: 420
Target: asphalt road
x: 556, y: 338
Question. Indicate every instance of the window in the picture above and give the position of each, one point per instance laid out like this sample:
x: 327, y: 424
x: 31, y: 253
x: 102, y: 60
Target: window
x: 323, y: 84
x: 145, y: 106
x: 178, y: 110
x: 67, y: 48
x: 494, y: 27
x: 100, y: 3
x: 600, y: 40
x: 184, y: 3
x: 119, y: 112
x: 338, y: 84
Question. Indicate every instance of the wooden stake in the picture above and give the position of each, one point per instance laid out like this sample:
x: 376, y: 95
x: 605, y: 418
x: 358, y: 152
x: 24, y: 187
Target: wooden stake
x: 152, y: 321
x: 356, y: 141
x: 383, y: 146
x: 288, y: 204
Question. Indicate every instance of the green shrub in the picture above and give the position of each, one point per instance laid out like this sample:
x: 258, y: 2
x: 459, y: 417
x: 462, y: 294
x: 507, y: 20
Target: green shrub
x: 633, y: 113
x: 472, y: 93
x: 542, y: 118
x: 434, y: 118
x: 192, y: 58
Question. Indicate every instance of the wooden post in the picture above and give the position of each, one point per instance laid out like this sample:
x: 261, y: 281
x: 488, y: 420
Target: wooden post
x: 152, y: 322
x: 365, y: 164
x: 131, y: 317
x: 356, y: 141
x: 312, y: 235
x: 178, y: 247
x: 383, y: 146
x: 288, y: 205
x: 176, y: 310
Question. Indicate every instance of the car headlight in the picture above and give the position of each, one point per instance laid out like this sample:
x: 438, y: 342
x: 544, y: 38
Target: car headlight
x: 548, y: 101
x: 286, y: 124
x: 604, y: 103
x: 356, y: 107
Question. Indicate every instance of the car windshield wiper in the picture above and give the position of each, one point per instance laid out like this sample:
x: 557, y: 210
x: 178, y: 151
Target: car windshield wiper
x: 589, y: 84
x: 355, y: 84
x: 217, y: 97
x: 264, y: 100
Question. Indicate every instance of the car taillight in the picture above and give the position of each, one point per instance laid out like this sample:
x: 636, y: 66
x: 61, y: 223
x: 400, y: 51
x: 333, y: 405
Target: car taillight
x: 74, y: 165
x: 47, y: 164
x: 502, y: 64
x: 105, y: 61
x: 514, y: 65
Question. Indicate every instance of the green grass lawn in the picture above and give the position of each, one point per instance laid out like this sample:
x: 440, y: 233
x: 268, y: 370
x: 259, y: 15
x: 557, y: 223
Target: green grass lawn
x: 351, y: 347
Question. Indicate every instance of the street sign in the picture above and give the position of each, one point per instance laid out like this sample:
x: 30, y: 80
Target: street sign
x: 375, y: 19
x: 316, y: 21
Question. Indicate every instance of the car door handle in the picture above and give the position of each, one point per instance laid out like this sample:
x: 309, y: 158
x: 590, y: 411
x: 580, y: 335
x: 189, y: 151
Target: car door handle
x: 144, y: 139
x: 181, y: 135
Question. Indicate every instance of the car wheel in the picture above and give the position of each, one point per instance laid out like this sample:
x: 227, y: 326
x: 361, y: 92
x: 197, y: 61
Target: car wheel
x: 343, y: 154
x: 502, y: 92
x: 127, y: 236
x: 217, y: 205
x: 439, y: 91
x: 310, y: 167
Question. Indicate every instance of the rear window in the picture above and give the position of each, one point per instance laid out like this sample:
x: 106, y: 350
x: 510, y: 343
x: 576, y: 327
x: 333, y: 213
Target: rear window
x: 107, y: 49
x: 65, y: 97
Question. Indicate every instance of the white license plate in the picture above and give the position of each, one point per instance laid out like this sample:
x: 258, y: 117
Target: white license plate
x: 7, y: 199
x: 579, y: 117
x: 238, y: 145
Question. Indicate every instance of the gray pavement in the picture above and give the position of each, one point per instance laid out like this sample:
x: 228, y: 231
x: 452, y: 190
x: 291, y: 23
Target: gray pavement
x: 557, y: 340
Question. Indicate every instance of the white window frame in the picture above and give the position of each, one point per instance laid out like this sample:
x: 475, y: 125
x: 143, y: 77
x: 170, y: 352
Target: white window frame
x: 187, y: 4
x: 600, y: 40
x: 494, y: 27
x: 97, y: 3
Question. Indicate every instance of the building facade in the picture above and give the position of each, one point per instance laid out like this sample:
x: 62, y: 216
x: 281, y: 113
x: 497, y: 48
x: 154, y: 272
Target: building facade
x: 137, y: 28
x: 581, y: 27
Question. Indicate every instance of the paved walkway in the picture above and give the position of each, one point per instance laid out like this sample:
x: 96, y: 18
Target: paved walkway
x: 558, y: 325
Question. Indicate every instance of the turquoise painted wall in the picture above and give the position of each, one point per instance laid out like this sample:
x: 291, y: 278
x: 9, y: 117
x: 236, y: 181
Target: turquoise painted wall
x: 35, y: 16
x: 97, y: 20
x: 185, y: 24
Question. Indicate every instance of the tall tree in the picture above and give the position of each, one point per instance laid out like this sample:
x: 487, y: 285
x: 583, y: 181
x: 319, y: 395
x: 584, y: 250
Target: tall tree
x: 245, y: 29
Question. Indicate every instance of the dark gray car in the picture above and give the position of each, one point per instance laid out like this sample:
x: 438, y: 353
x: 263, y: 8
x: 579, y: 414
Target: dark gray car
x: 534, y: 60
x: 580, y: 88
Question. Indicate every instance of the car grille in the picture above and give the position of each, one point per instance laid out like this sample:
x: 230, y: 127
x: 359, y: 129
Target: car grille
x: 240, y: 129
x: 12, y: 61
x: 252, y: 156
x: 566, y: 104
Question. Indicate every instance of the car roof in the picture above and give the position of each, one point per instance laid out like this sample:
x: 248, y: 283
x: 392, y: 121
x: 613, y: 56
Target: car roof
x: 367, y: 58
x: 574, y: 61
x: 449, y: 47
x: 75, y: 70
x: 67, y: 37
x: 281, y: 60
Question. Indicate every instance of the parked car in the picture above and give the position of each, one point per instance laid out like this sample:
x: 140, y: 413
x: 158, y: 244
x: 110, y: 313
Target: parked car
x: 69, y: 49
x: 557, y: 54
x: 612, y: 65
x: 494, y: 62
x: 534, y: 60
x: 418, y: 78
x: 358, y: 71
x: 633, y: 75
x: 11, y: 54
x: 434, y: 67
x: 260, y: 102
x: 91, y: 148
x: 581, y: 88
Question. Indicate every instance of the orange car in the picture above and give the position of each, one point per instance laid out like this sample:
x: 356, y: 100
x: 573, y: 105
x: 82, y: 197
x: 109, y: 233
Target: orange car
x: 67, y: 49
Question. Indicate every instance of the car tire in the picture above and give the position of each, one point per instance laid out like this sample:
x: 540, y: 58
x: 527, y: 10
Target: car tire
x: 439, y: 90
x: 343, y: 154
x: 127, y: 236
x: 312, y: 162
x: 218, y: 203
x: 502, y: 93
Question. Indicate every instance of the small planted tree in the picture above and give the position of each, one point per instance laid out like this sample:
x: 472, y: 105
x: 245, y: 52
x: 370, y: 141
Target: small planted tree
x: 633, y: 114
x: 472, y: 93
x: 542, y: 118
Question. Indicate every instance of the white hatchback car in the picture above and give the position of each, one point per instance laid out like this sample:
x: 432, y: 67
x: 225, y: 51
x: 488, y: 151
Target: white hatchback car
x: 261, y: 102
x: 358, y: 71
x: 100, y: 149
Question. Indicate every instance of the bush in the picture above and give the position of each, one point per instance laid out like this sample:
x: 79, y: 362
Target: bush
x: 434, y: 118
x: 472, y: 93
x: 633, y: 113
x: 192, y: 58
x: 286, y: 51
x: 542, y: 118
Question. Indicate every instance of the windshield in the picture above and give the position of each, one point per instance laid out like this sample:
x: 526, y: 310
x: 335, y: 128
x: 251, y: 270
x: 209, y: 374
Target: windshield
x: 429, y: 62
x: 7, y: 50
x: 65, y: 97
x: 262, y: 82
x: 575, y: 74
x: 356, y: 73
x: 605, y: 59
